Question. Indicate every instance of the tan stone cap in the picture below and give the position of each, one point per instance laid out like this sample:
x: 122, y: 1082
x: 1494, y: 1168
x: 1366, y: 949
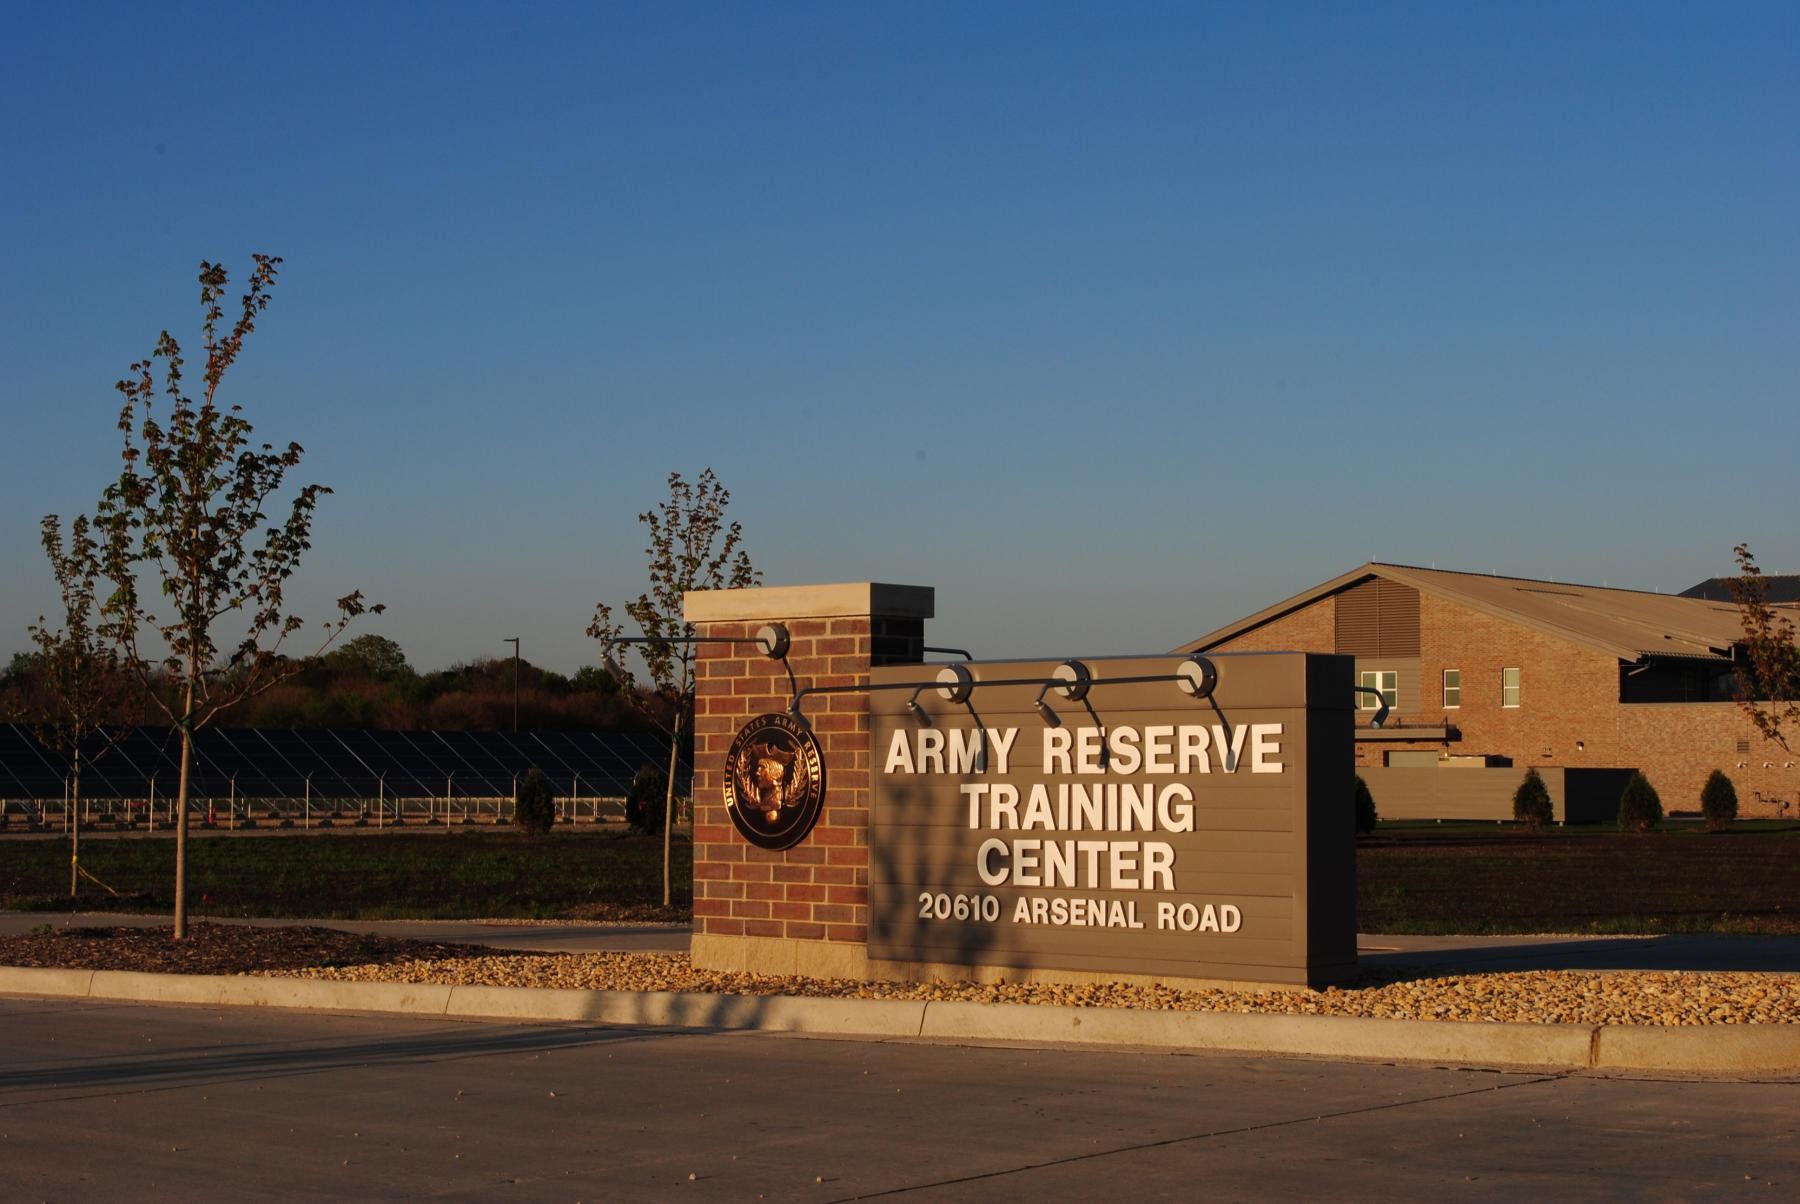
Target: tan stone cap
x: 809, y: 602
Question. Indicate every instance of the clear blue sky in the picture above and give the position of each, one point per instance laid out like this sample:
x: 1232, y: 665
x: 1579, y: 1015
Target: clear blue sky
x: 1112, y: 322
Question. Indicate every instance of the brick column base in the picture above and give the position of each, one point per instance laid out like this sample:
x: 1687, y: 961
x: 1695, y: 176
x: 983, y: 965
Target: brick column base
x: 803, y: 910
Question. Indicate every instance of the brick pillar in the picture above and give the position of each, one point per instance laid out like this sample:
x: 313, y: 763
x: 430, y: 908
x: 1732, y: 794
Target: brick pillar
x: 802, y: 910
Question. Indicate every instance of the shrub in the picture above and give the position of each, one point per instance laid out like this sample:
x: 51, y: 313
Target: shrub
x: 1640, y: 809
x: 536, y: 808
x: 647, y: 799
x: 1531, y: 802
x: 1365, y: 808
x: 1718, y: 801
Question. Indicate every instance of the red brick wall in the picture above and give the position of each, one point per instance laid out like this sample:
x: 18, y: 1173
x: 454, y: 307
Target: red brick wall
x: 1309, y: 629
x: 1568, y: 695
x: 819, y: 889
x: 1677, y: 744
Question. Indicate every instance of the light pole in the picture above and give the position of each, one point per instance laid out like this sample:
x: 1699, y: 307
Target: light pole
x: 514, y: 641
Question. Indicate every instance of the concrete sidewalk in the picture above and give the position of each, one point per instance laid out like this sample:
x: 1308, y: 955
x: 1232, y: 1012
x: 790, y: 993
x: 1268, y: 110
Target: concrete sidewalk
x: 1760, y: 1050
x: 1728, y: 1050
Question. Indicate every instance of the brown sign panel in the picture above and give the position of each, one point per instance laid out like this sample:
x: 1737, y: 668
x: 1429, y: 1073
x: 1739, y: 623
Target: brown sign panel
x: 774, y: 781
x: 1134, y: 829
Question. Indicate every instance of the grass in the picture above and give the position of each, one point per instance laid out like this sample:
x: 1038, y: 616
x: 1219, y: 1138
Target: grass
x: 1483, y: 878
x: 481, y: 872
x: 1448, y: 878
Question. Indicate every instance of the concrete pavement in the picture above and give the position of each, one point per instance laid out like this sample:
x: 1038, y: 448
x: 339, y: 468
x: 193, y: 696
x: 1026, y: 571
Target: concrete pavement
x: 133, y: 1101
x: 1721, y: 1049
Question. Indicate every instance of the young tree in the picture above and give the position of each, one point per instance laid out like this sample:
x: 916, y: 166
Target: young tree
x: 644, y: 799
x: 190, y: 508
x: 1768, y: 679
x: 79, y: 681
x: 535, y: 810
x: 1718, y: 801
x: 1531, y: 802
x: 1640, y: 807
x: 1366, y: 815
x: 683, y: 533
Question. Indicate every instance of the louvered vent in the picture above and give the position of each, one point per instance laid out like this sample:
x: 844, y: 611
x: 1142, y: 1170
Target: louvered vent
x: 1378, y: 617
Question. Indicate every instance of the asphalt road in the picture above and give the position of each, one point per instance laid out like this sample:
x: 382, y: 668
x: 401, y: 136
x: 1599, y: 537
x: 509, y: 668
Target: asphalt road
x: 160, y: 1103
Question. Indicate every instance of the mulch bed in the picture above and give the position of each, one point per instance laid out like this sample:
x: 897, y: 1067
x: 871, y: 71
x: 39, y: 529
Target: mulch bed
x: 219, y: 949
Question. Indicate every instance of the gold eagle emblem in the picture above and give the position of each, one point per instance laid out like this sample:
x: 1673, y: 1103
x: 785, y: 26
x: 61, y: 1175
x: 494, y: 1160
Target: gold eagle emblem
x: 767, y: 779
x: 774, y: 781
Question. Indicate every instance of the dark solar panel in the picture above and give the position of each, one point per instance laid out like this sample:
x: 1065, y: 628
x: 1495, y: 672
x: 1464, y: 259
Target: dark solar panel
x: 344, y: 763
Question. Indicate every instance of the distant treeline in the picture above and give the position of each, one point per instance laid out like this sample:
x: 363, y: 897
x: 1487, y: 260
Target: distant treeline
x: 367, y: 683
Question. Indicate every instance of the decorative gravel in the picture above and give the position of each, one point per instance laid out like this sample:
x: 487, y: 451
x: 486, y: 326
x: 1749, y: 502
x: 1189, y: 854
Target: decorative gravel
x: 1539, y: 996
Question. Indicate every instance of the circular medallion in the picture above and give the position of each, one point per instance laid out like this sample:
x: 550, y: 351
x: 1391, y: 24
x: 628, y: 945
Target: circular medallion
x: 774, y: 781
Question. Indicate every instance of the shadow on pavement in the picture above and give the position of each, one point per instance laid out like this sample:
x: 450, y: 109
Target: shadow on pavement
x: 450, y: 1042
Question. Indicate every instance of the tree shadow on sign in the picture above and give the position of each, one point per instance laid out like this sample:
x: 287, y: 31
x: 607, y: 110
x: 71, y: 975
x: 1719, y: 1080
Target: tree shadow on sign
x: 906, y: 876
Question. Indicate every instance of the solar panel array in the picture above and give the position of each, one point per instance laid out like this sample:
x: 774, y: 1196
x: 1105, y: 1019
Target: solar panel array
x: 337, y: 763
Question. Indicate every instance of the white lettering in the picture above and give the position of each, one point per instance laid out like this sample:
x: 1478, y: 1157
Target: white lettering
x: 1122, y: 743
x: 931, y: 751
x: 1229, y: 753
x: 964, y: 744
x: 1135, y: 806
x: 1056, y: 750
x: 1187, y: 917
x: 1124, y: 865
x: 1000, y: 745
x: 1158, y: 738
x: 973, y: 791
x: 900, y: 754
x: 1263, y: 748
x: 1175, y: 818
x: 1190, y: 755
x: 984, y: 859
x: 1087, y: 751
x: 1159, y: 865
x: 1003, y: 800
x: 1093, y: 849
x: 1025, y: 855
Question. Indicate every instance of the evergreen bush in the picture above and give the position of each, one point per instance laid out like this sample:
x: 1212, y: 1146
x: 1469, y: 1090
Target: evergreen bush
x: 536, y: 808
x: 1718, y: 801
x: 1365, y: 808
x: 1640, y: 808
x: 647, y: 800
x: 1531, y: 802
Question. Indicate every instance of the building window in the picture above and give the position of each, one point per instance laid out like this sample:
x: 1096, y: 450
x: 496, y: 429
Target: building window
x: 1509, y: 687
x: 1452, y: 689
x: 1385, y: 680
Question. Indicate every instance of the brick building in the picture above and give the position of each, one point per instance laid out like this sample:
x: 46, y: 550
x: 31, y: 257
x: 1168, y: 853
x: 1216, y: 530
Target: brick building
x: 1501, y: 670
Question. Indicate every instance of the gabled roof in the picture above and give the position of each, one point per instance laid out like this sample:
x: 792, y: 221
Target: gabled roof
x: 1625, y: 623
x: 1783, y: 588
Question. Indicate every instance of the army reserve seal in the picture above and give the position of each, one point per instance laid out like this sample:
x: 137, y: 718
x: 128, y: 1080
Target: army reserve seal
x: 774, y: 781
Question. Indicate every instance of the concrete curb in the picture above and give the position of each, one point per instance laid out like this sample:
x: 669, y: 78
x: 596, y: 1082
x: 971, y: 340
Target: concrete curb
x: 1723, y: 1049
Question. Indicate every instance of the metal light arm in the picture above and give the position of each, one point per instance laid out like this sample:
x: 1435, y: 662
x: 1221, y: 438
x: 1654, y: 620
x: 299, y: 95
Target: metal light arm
x: 1381, y: 709
x: 1072, y: 679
